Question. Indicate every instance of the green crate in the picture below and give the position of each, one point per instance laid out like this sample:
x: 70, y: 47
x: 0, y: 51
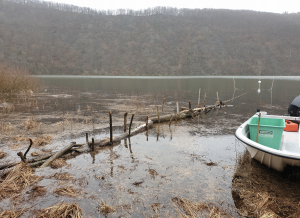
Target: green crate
x: 270, y: 131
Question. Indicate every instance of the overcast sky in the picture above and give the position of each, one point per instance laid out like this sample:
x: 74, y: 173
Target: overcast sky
x: 275, y: 6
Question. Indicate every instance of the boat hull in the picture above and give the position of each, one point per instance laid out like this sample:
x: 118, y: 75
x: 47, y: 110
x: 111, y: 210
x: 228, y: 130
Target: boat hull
x: 272, y: 158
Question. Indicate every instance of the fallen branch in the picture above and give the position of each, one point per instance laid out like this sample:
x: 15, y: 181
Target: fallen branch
x: 58, y: 154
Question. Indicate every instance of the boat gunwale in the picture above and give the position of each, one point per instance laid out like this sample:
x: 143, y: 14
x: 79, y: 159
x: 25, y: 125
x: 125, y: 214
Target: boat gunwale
x: 259, y: 146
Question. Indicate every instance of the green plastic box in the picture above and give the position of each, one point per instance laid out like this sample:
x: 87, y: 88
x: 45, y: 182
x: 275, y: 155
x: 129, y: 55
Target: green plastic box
x: 270, y: 131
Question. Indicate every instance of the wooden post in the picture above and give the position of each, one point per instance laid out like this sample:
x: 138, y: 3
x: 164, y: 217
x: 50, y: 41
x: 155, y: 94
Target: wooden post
x: 190, y: 106
x: 199, y: 97
x: 125, y: 121
x: 258, y: 127
x: 218, y: 98
x: 130, y: 123
x: 170, y: 121
x: 93, y: 145
x: 203, y: 103
x: 147, y: 122
x: 87, y: 138
x: 28, y: 148
x: 110, y: 128
x: 157, y: 114
x: 162, y: 107
x: 20, y: 154
x: 177, y: 107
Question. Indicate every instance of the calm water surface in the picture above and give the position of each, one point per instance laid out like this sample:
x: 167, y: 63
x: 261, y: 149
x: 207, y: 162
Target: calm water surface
x: 147, y: 172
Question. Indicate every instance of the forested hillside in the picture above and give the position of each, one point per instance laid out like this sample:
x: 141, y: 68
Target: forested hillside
x: 50, y: 38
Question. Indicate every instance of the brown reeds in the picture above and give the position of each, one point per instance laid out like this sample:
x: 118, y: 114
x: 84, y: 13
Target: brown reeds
x: 16, y: 180
x: 62, y: 176
x: 12, y: 213
x: 62, y: 210
x: 14, y: 79
x: 58, y: 163
x: 37, y: 191
x: 187, y: 208
x: 30, y: 123
x: 42, y: 140
x: 35, y: 153
x: 2, y: 154
x: 67, y: 190
x: 104, y: 208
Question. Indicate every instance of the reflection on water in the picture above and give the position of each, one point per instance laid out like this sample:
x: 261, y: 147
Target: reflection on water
x: 193, y: 158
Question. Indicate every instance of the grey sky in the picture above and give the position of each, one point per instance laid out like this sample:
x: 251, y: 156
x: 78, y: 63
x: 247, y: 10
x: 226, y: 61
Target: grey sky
x: 275, y: 6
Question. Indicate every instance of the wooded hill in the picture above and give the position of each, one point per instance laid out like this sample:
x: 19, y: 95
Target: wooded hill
x: 52, y: 38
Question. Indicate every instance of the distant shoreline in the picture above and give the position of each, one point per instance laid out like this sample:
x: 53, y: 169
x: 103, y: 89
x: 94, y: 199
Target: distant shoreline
x: 170, y: 77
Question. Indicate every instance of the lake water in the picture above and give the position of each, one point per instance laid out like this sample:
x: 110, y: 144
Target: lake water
x: 194, y: 159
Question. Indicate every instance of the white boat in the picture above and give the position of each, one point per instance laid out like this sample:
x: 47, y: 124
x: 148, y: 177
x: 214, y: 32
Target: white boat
x: 287, y: 154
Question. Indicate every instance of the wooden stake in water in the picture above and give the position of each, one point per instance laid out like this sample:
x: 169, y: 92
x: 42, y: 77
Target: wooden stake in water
x: 190, y: 106
x: 147, y: 122
x: 258, y: 127
x: 199, y: 97
x: 162, y: 107
x: 87, y: 138
x: 93, y: 145
x: 110, y: 128
x: 125, y: 121
x: 130, y: 123
x: 203, y: 103
x: 157, y: 114
x: 177, y: 107
x: 170, y: 121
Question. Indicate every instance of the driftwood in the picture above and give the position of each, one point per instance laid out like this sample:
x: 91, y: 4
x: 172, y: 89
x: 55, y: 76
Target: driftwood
x: 32, y: 160
x: 58, y: 154
x: 188, y: 112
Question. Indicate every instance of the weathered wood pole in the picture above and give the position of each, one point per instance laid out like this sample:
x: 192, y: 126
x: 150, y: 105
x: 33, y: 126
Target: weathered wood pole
x: 20, y: 154
x: 190, y: 106
x: 218, y: 98
x: 258, y: 127
x: 93, y: 145
x: 147, y: 127
x: 110, y: 128
x: 162, y: 107
x: 157, y: 114
x: 87, y: 138
x: 170, y: 121
x: 28, y: 148
x: 203, y: 103
x: 199, y: 97
x: 125, y: 121
x: 177, y: 107
x: 130, y: 123
x: 58, y: 154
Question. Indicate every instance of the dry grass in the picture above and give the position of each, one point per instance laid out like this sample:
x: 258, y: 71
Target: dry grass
x: 16, y: 180
x: 62, y: 210
x: 35, y: 154
x: 5, y: 126
x: 42, y: 140
x: 30, y: 123
x: 2, y: 154
x: 20, y: 138
x: 62, y: 176
x: 58, y: 163
x: 12, y: 213
x: 260, y: 192
x: 187, y: 208
x: 104, y: 208
x: 37, y: 191
x: 14, y: 79
x: 67, y: 190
